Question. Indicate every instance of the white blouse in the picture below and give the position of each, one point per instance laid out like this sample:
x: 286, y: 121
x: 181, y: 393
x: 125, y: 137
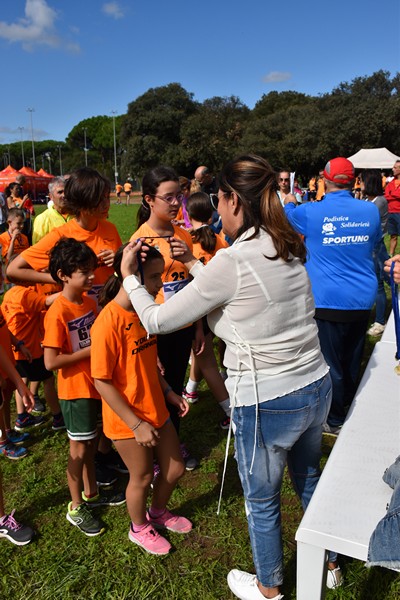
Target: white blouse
x: 262, y: 309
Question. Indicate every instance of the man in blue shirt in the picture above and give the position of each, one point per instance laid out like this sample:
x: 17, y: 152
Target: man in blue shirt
x: 340, y: 234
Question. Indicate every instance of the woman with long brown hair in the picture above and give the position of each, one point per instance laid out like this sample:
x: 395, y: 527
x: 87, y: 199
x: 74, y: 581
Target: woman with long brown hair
x: 257, y: 298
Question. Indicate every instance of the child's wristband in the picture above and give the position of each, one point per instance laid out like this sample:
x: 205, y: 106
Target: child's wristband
x: 137, y: 425
x: 167, y: 391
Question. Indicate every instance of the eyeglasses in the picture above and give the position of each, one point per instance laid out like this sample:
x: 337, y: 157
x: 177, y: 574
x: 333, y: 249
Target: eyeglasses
x: 169, y: 198
x: 214, y: 201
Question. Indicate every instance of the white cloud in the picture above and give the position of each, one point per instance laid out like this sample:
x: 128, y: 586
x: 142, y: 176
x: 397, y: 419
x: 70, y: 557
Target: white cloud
x: 276, y: 76
x: 36, y: 28
x: 113, y: 9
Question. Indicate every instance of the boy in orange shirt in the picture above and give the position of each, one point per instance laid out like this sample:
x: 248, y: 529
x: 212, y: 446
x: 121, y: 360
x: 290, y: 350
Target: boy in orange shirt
x: 13, y: 241
x: 67, y: 348
x: 22, y: 307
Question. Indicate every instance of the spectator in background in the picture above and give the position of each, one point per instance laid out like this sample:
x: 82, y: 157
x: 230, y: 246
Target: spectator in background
x: 128, y: 191
x: 320, y: 186
x: 54, y: 216
x: 340, y: 235
x: 371, y: 188
x: 392, y: 195
x: 284, y: 186
x: 206, y: 180
x: 118, y: 190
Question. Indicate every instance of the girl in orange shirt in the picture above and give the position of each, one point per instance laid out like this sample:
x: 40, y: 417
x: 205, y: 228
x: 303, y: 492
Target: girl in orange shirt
x: 135, y: 416
x: 205, y: 246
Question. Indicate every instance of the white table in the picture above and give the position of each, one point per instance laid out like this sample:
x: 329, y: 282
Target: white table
x: 351, y: 497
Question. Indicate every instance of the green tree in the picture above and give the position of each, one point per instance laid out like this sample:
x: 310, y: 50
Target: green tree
x: 150, y: 131
x: 212, y: 135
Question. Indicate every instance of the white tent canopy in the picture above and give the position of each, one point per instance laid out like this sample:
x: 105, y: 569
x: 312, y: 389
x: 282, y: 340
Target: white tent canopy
x: 373, y: 158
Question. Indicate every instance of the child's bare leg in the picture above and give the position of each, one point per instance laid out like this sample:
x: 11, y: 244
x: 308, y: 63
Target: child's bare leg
x: 171, y: 466
x: 3, y: 434
x: 139, y: 461
x: 207, y: 362
x: 89, y: 470
x: 7, y: 395
x: 34, y: 387
x: 76, y: 460
x: 51, y: 396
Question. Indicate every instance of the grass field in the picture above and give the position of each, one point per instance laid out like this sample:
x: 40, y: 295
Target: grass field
x: 62, y: 563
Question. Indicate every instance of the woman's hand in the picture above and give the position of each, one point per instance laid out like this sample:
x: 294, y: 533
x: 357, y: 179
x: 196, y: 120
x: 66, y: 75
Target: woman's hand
x: 396, y: 270
x: 129, y: 263
x: 147, y: 435
x: 181, y: 404
x: 26, y: 395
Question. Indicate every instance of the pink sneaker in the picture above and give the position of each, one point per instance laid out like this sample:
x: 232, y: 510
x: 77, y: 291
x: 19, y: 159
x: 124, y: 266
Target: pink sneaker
x: 169, y: 521
x: 150, y: 540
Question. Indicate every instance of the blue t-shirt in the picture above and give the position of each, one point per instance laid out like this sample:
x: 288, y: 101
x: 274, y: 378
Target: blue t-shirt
x: 340, y: 234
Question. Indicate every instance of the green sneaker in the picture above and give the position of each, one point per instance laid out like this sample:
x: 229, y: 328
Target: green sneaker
x: 82, y: 518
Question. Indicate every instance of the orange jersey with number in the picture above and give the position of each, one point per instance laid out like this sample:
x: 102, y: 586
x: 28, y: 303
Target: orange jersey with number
x: 124, y: 353
x: 175, y: 275
x: 67, y: 327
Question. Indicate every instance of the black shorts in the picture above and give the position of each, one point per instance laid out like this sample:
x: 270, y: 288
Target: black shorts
x: 34, y: 371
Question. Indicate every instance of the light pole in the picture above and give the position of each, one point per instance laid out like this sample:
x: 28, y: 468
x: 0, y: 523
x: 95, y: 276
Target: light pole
x: 60, y: 159
x: 21, y: 129
x: 114, y: 112
x: 85, y: 149
x: 30, y: 111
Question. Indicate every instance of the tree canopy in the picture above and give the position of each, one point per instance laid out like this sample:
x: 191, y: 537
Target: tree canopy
x: 291, y: 129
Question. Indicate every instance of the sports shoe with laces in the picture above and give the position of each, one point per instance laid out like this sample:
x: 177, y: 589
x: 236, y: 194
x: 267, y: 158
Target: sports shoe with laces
x: 244, y: 586
x: 170, y: 521
x: 82, y: 518
x: 17, y: 438
x: 331, y: 429
x: 376, y: 329
x: 334, y: 578
x: 150, y: 540
x: 39, y: 406
x: 10, y: 450
x: 190, y: 461
x: 58, y: 422
x: 105, y: 499
x: 17, y: 533
x: 191, y: 397
x: 28, y: 422
x: 225, y: 423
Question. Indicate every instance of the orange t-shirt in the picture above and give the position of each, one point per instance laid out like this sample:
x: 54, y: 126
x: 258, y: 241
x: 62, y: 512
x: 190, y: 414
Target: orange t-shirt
x: 21, y: 243
x: 205, y: 256
x: 104, y: 237
x: 175, y: 275
x: 124, y: 353
x: 22, y: 307
x: 5, y: 342
x: 67, y: 327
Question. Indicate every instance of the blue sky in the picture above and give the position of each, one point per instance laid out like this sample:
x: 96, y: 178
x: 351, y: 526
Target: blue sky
x: 71, y: 60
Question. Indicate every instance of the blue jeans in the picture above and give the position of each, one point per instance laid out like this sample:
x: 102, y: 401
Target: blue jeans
x: 289, y: 430
x: 342, y: 345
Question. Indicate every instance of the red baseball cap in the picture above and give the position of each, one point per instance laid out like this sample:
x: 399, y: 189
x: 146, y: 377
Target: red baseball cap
x: 339, y: 170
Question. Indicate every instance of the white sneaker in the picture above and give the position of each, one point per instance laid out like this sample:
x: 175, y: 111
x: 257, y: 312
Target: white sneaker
x: 244, y: 586
x: 334, y: 578
x: 376, y: 329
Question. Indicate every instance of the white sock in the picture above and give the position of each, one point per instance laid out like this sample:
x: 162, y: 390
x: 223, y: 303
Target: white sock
x: 191, y: 386
x: 225, y: 405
